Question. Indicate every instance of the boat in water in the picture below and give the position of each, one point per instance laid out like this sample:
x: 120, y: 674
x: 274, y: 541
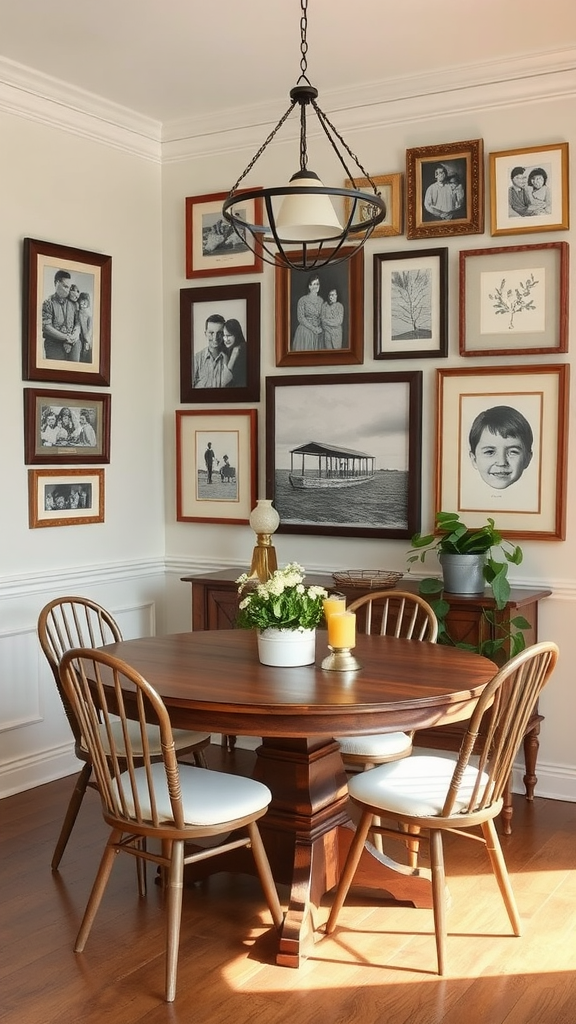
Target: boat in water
x: 316, y: 465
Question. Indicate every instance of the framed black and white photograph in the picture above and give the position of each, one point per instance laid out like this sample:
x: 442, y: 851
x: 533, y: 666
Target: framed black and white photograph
x: 343, y: 453
x: 529, y: 190
x: 216, y: 465
x: 502, y: 436
x: 390, y: 189
x: 320, y: 314
x: 65, y: 497
x: 445, y: 189
x: 213, y: 247
x: 220, y: 343
x: 66, y: 314
x: 66, y: 426
x: 514, y: 300
x: 411, y: 304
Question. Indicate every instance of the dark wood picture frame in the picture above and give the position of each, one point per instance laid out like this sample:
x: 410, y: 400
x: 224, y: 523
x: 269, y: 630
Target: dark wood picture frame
x: 81, y: 492
x: 239, y: 302
x: 514, y: 300
x: 66, y: 426
x: 514, y: 209
x: 516, y: 420
x: 411, y: 304
x: 459, y: 211
x: 58, y: 344
x: 213, y: 247
x: 346, y: 330
x: 361, y: 433
x: 221, y: 489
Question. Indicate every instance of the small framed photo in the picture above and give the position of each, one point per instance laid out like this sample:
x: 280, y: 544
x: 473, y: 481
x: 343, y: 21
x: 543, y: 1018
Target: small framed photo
x: 220, y: 343
x: 502, y: 438
x: 445, y: 190
x: 213, y: 247
x: 216, y: 465
x: 343, y: 453
x: 411, y: 304
x: 320, y: 314
x: 390, y: 188
x: 514, y: 300
x: 66, y: 314
x: 65, y: 497
x: 529, y: 190
x: 66, y: 426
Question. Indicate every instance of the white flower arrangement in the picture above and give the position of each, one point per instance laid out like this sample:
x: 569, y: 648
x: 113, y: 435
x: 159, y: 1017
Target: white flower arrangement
x: 283, y: 602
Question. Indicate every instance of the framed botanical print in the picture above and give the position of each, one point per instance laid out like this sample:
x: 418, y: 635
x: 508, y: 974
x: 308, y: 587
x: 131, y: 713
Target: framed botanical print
x: 216, y: 465
x: 514, y: 300
x: 66, y: 426
x: 502, y: 437
x: 445, y: 190
x: 411, y: 304
x: 213, y: 247
x: 529, y: 190
x: 65, y: 497
x: 66, y: 314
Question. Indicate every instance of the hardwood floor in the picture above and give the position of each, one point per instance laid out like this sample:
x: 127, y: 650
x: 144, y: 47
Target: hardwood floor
x: 378, y: 967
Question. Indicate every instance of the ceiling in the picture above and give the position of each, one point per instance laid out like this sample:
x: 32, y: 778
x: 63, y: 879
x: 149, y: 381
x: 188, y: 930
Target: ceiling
x: 173, y: 59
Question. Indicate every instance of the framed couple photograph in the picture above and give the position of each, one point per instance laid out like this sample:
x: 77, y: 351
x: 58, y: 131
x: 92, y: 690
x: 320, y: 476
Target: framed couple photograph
x: 390, y: 188
x: 216, y: 465
x: 411, y: 304
x: 213, y: 247
x: 343, y: 453
x: 514, y: 300
x: 320, y: 314
x: 445, y: 189
x: 502, y: 437
x: 66, y: 314
x: 66, y: 426
x: 220, y: 343
x: 65, y: 497
x: 529, y: 190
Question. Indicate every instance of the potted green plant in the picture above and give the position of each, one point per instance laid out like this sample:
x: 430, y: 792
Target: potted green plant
x: 285, y: 613
x: 493, y: 555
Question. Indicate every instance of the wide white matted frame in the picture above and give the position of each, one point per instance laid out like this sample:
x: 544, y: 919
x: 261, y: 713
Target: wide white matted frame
x: 225, y: 491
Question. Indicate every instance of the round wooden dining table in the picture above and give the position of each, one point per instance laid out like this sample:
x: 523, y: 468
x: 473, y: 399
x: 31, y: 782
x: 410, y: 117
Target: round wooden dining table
x: 213, y: 681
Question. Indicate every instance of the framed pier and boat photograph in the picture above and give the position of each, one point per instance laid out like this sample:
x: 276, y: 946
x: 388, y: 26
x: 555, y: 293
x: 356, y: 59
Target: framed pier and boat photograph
x: 343, y: 453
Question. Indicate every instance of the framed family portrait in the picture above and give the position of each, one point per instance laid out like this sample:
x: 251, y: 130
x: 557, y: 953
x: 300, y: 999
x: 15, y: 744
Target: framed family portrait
x: 343, y: 453
x: 411, y: 304
x: 216, y: 465
x: 320, y: 314
x: 213, y: 247
x: 66, y: 426
x: 65, y: 497
x: 445, y: 189
x: 502, y: 436
x: 66, y: 314
x: 514, y: 300
x: 529, y: 190
x: 220, y: 343
x: 390, y: 188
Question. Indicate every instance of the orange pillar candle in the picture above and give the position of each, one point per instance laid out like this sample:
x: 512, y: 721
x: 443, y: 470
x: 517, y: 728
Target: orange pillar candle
x: 334, y: 603
x: 342, y: 629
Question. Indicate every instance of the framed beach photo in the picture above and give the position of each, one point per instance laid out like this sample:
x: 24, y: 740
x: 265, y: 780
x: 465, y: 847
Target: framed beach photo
x: 220, y: 343
x: 66, y: 426
x: 320, y: 314
x: 445, y: 190
x: 514, y: 300
x: 390, y: 188
x: 529, y: 190
x: 66, y: 314
x: 343, y: 453
x: 65, y: 497
x: 502, y: 438
x: 216, y: 465
x: 411, y: 304
x: 213, y: 247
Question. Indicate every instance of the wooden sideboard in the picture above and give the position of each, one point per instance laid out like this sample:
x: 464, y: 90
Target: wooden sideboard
x: 215, y: 605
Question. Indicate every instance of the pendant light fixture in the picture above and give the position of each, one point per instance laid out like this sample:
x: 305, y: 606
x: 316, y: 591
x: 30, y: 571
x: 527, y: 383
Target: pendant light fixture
x: 303, y: 230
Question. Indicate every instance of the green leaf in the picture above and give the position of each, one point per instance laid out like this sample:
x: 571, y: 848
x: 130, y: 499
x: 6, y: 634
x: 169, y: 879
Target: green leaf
x: 430, y: 585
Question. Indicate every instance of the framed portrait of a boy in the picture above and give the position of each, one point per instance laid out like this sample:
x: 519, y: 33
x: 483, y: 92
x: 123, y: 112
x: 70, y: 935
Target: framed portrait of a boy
x: 445, y: 190
x: 502, y: 436
x: 529, y: 190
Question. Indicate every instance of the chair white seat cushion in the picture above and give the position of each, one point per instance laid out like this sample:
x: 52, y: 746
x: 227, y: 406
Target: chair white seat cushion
x: 415, y: 786
x: 384, y: 744
x: 182, y: 738
x: 208, y: 798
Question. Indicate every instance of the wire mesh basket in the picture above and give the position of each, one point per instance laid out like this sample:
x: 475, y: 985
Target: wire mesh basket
x: 371, y: 579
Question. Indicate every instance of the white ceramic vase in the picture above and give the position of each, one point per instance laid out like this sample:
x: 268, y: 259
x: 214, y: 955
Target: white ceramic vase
x: 286, y: 648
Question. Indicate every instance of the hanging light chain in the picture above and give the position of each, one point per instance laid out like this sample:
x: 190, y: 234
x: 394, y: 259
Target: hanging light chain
x: 303, y: 40
x: 327, y: 124
x: 263, y: 146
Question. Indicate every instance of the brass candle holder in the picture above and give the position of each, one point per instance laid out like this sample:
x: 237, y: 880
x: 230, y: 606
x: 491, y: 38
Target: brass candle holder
x: 340, y: 659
